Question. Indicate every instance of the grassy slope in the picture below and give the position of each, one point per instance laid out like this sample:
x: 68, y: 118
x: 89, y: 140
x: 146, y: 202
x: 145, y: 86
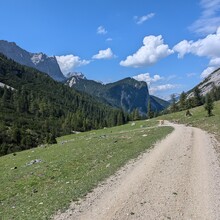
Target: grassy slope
x: 69, y: 169
x: 200, y: 119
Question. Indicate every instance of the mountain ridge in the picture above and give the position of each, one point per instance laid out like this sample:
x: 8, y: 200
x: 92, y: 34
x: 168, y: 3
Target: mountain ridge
x: 39, y: 61
x: 211, y: 81
x: 128, y: 93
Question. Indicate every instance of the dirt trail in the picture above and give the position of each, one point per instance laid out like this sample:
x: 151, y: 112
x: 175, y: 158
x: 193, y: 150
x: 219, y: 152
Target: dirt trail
x: 178, y: 179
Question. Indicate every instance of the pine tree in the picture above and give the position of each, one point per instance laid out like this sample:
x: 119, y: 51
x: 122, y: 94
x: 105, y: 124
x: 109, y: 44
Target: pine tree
x: 182, y: 102
x: 174, y: 106
x: 209, y: 105
x: 149, y: 111
x: 197, y: 97
x: 136, y: 114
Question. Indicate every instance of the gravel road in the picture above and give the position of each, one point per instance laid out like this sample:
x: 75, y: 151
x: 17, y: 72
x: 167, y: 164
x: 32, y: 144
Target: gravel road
x: 178, y: 179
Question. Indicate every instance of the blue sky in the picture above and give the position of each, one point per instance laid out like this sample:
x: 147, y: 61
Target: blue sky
x: 170, y: 44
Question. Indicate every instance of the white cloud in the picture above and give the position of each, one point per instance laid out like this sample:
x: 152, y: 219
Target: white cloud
x: 209, y: 19
x: 152, y: 51
x: 162, y: 88
x: 147, y: 78
x: 101, y: 30
x: 69, y: 62
x: 104, y: 54
x: 142, y: 19
x: 208, y: 46
x: 109, y: 39
x: 183, y: 48
x: 214, y: 62
x: 207, y: 71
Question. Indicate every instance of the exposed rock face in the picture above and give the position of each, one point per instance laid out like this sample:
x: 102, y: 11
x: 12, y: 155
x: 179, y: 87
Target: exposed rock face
x: 128, y: 94
x: 208, y: 83
x: 39, y: 61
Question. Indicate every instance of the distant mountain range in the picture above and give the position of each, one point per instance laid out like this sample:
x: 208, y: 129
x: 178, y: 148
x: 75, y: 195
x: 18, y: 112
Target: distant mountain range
x: 127, y: 94
x: 39, y: 61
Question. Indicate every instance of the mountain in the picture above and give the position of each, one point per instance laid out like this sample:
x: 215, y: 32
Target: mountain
x: 127, y: 94
x: 40, y: 61
x: 34, y: 109
x: 213, y: 80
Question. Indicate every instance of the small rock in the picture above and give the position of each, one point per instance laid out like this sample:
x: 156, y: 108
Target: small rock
x: 41, y: 203
x: 33, y: 162
x: 132, y: 213
x: 108, y: 165
x: 35, y: 190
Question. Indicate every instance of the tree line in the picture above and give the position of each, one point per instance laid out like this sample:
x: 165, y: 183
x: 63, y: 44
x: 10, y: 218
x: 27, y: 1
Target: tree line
x: 40, y: 109
x: 195, y: 100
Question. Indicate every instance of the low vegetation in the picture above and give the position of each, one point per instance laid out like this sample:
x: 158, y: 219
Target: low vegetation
x: 199, y: 118
x: 36, y: 183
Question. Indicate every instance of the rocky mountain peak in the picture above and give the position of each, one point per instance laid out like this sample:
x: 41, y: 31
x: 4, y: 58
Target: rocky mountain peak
x: 38, y: 61
x: 78, y: 75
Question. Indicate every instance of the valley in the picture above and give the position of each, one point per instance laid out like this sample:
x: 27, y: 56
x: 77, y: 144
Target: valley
x: 38, y: 182
x: 178, y: 179
x: 110, y: 110
x: 129, y: 163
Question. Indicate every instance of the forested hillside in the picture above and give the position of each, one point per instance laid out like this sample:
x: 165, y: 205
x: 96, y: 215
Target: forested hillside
x: 38, y: 109
x: 127, y: 94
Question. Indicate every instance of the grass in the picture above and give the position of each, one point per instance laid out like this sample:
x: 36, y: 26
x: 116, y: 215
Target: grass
x: 199, y: 119
x: 69, y: 169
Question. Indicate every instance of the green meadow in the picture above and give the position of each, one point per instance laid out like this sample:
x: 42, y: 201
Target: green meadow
x: 199, y: 119
x: 68, y: 170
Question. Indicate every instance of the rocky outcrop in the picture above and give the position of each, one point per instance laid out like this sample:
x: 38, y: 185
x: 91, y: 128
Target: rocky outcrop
x: 128, y: 94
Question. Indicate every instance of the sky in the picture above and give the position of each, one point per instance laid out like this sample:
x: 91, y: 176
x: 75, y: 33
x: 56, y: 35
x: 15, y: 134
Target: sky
x: 172, y: 45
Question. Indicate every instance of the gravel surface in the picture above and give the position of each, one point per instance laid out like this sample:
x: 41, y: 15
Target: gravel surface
x: 178, y: 179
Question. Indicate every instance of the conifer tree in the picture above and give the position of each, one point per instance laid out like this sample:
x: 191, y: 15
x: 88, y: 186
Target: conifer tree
x: 149, y: 110
x: 209, y: 105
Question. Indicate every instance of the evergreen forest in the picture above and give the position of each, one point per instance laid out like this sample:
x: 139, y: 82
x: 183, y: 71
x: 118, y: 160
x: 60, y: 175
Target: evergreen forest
x: 35, y: 109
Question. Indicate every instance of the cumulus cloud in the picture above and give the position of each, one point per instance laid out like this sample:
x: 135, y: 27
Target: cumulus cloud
x: 209, y: 20
x: 142, y: 19
x: 69, y: 62
x: 162, y: 88
x: 214, y: 62
x: 208, y: 46
x: 152, y: 51
x: 213, y: 65
x: 147, y: 78
x: 101, y: 30
x: 104, y: 54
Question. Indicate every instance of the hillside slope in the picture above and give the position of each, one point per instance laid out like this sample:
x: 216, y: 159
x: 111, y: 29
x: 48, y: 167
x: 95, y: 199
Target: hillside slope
x: 39, y: 109
x: 213, y: 80
x: 40, y: 61
x: 127, y: 94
